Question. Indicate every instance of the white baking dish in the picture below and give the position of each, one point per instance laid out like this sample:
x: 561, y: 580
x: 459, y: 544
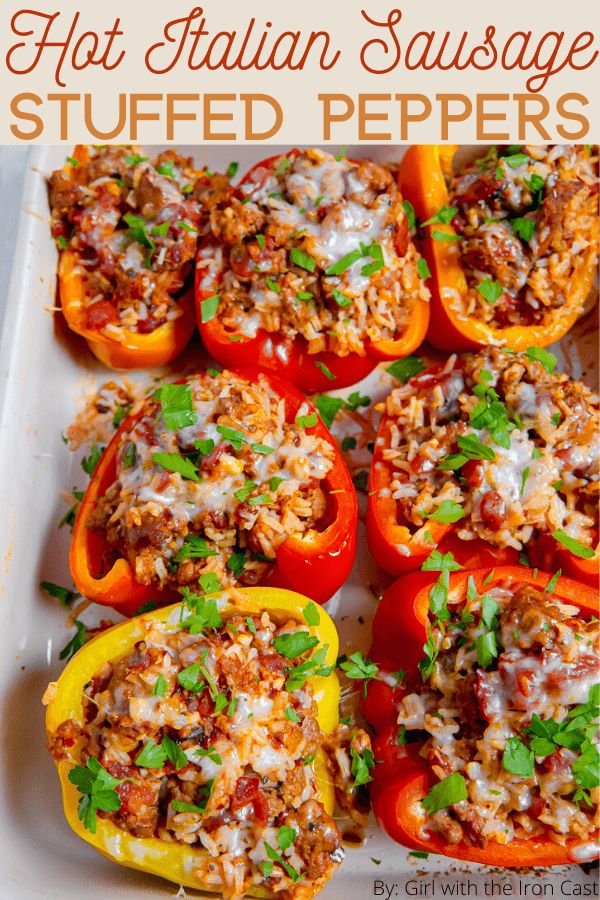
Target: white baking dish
x: 43, y: 370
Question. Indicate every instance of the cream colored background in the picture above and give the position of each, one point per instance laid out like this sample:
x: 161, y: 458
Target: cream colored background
x: 297, y: 92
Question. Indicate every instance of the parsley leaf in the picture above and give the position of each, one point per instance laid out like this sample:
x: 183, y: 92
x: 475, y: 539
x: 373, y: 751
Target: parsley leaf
x: 517, y: 759
x: 325, y: 370
x: 490, y: 290
x: 407, y: 368
x: 90, y: 463
x: 487, y: 649
x: 208, y: 308
x: 312, y: 615
x: 80, y: 638
x: 174, y: 462
x: 524, y: 228
x: 303, y: 260
x: 294, y: 644
x: 64, y: 595
x: 152, y: 756
x: 443, y: 216
x: 447, y: 512
x: 361, y: 765
x: 447, y: 792
x: 547, y: 359
x: 97, y: 789
x: 576, y: 548
x: 328, y: 407
x: 194, y: 547
x: 234, y: 437
x: 177, y: 406
x: 307, y: 421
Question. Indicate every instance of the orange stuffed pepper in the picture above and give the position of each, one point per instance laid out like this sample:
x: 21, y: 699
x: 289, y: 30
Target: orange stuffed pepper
x: 126, y: 229
x: 511, y: 240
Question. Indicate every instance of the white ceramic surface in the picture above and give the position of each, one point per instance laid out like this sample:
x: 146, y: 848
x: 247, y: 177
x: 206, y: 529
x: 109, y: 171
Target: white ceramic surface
x: 43, y: 371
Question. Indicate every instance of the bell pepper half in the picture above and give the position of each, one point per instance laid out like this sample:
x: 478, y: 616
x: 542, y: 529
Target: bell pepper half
x: 422, y: 181
x: 130, y: 350
x: 291, y: 359
x: 395, y: 544
x: 402, y: 778
x: 398, y: 548
x: 171, y: 860
x: 316, y: 563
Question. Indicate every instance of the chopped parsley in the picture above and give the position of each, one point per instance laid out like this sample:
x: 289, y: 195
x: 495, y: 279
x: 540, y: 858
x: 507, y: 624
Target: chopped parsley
x: 443, y: 216
x: 294, y: 644
x: 89, y: 463
x: 177, y: 406
x: 325, y: 370
x: 577, y: 549
x: 80, y: 637
x: 341, y: 299
x: 174, y: 462
x: 97, y: 789
x: 445, y: 236
x: 303, y: 260
x: 312, y: 616
x: 447, y: 512
x: 362, y: 763
x: 407, y: 368
x: 234, y: 437
x: 518, y: 759
x: 445, y: 793
x: 64, y: 595
x: 545, y: 357
x: 410, y: 213
x: 490, y: 290
x: 523, y: 228
x: 423, y: 269
x: 194, y: 547
x: 307, y: 421
x: 208, y: 308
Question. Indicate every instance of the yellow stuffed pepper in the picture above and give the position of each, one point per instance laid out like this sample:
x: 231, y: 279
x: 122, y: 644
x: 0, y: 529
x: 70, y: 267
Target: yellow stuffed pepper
x: 189, y: 743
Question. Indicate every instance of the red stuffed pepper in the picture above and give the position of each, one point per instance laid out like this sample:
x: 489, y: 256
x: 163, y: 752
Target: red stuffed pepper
x: 126, y: 229
x: 486, y: 752
x: 312, y: 272
x: 489, y: 457
x: 226, y: 478
x: 511, y: 240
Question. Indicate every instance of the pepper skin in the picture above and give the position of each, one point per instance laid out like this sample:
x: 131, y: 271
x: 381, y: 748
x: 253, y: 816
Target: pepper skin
x: 131, y: 350
x: 403, y: 778
x: 422, y: 183
x: 175, y: 861
x: 291, y: 360
x: 317, y: 563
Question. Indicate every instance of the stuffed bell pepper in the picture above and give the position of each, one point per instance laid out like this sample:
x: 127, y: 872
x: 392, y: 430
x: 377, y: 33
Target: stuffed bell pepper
x: 511, y: 240
x: 311, y: 271
x: 228, y: 477
x: 496, y: 455
x: 126, y: 229
x: 190, y: 743
x: 488, y: 751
